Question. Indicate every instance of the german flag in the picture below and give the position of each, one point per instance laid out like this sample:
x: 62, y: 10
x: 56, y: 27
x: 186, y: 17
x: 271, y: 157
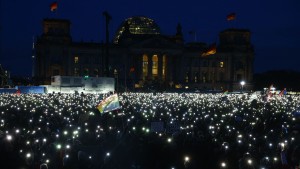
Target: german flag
x: 231, y: 17
x: 212, y: 49
x: 53, y: 6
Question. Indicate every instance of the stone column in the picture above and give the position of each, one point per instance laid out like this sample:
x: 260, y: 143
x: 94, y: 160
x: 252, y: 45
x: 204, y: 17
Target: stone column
x: 160, y: 62
x: 169, y: 69
x: 150, y: 66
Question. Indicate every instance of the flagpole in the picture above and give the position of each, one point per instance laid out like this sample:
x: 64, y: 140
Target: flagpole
x: 107, y: 20
x: 33, y: 58
x: 125, y: 77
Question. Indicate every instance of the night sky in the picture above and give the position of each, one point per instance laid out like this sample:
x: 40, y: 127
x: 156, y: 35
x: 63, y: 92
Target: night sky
x: 274, y: 24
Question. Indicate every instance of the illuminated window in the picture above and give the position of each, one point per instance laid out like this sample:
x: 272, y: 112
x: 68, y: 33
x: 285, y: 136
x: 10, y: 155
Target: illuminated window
x: 221, y: 64
x: 187, y: 77
x: 76, y: 71
x: 164, y: 67
x: 145, y: 66
x: 196, y: 77
x: 154, y: 65
x: 76, y: 59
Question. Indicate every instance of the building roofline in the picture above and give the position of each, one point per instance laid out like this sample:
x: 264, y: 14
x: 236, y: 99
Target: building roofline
x: 235, y: 30
x: 55, y: 20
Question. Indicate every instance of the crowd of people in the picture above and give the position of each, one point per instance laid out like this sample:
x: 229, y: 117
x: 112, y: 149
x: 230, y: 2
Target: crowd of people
x: 149, y: 131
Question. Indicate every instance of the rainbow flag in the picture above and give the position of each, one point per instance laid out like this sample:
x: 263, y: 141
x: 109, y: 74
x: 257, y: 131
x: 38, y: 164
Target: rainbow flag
x: 109, y: 104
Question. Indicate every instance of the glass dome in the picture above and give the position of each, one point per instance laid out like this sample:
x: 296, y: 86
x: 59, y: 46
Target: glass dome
x: 137, y: 25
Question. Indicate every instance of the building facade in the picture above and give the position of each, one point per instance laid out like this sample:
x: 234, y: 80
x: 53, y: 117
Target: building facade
x: 140, y: 57
x: 4, y: 78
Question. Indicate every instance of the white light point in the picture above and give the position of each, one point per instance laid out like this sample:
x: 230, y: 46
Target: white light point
x: 9, y: 137
x: 186, y: 159
x: 223, y: 164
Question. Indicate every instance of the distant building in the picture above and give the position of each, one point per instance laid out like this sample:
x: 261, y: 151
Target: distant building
x: 4, y: 78
x: 140, y: 56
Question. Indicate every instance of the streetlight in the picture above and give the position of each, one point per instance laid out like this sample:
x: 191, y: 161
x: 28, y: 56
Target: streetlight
x: 223, y: 165
x: 106, y: 158
x: 249, y: 161
x: 116, y: 77
x: 242, y: 84
x: 186, y: 161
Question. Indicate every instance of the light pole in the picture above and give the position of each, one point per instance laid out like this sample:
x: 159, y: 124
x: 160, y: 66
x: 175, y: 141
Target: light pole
x: 106, y: 58
x: 242, y: 84
x: 116, y: 77
x: 186, y: 161
x: 223, y: 165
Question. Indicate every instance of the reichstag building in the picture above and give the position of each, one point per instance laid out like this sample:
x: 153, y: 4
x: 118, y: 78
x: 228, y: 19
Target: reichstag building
x: 140, y: 56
